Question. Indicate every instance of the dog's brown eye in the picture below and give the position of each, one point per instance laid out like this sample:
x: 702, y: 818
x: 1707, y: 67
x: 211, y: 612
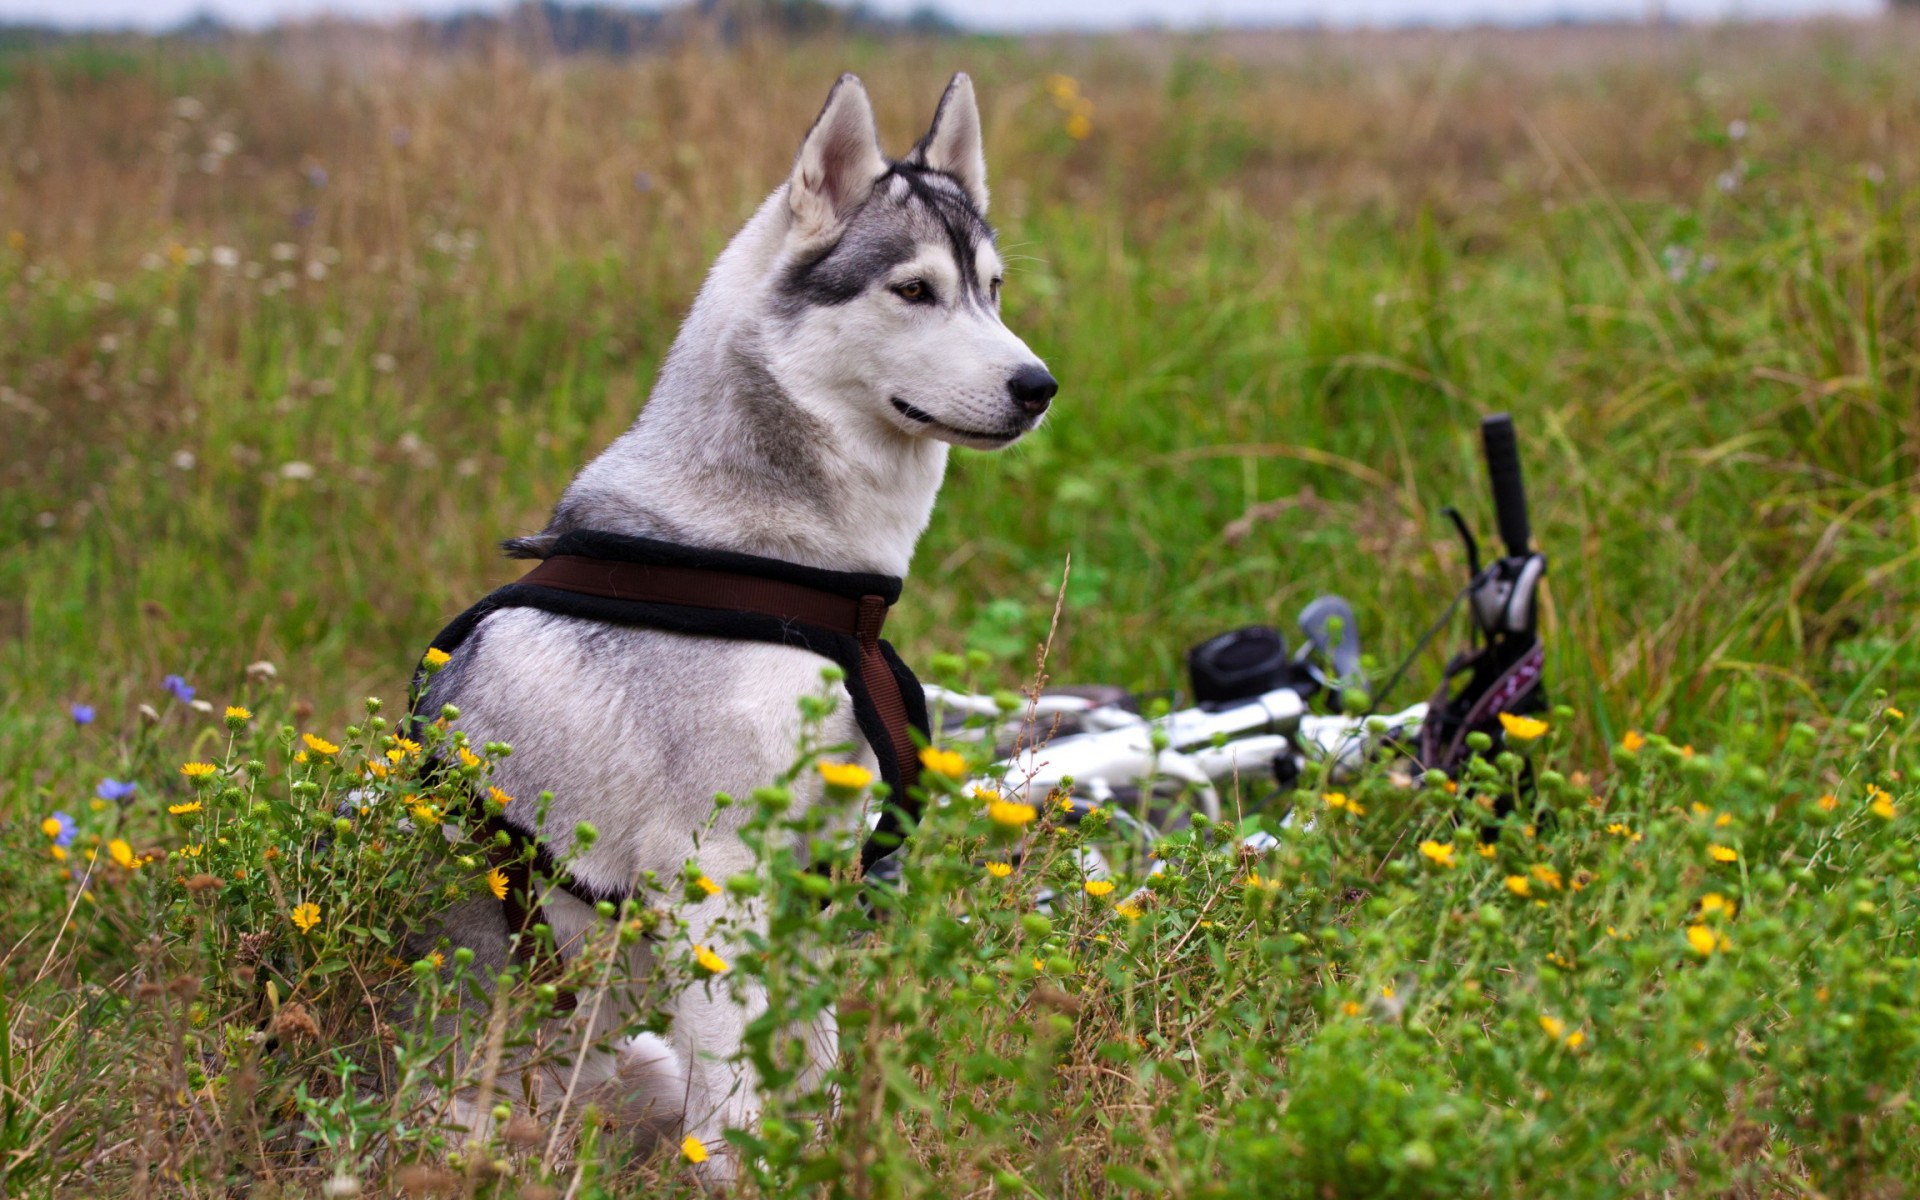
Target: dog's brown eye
x: 912, y: 291
x: 993, y: 289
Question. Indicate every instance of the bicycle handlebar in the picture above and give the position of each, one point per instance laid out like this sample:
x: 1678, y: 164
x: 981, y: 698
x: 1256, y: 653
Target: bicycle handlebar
x: 1509, y: 490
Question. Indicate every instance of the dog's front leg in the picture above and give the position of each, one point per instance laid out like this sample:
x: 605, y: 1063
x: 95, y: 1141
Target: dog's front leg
x: 709, y: 1027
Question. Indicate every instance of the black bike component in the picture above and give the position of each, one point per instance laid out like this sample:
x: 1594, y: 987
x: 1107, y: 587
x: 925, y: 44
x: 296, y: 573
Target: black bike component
x: 1239, y: 665
x: 1466, y: 539
x: 1502, y: 672
x: 1509, y: 489
x: 1330, y: 628
x: 1286, y: 771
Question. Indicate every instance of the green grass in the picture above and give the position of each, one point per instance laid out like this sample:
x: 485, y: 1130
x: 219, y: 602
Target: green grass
x: 1280, y: 283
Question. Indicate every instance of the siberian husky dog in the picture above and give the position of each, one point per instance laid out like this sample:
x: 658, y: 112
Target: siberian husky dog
x: 846, y: 338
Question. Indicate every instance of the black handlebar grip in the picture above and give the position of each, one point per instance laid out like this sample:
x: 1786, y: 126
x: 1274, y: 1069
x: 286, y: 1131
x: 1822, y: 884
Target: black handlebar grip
x: 1509, y: 492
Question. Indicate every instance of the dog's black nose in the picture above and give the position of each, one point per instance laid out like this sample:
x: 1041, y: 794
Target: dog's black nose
x: 1032, y: 388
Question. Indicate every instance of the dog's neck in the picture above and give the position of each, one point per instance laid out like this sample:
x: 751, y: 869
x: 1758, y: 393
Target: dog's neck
x: 724, y: 456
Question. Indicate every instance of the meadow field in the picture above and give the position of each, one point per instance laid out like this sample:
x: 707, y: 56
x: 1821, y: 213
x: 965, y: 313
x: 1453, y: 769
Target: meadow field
x: 296, y: 329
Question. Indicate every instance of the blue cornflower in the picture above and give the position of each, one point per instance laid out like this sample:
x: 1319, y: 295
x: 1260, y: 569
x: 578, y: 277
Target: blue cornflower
x: 82, y: 713
x: 60, y: 828
x: 115, y: 790
x: 179, y: 687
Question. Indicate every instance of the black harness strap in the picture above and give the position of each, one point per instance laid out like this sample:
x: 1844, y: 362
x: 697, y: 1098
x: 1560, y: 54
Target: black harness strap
x: 659, y: 585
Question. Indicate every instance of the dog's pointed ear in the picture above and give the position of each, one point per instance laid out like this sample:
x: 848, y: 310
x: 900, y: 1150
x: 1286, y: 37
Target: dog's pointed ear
x: 953, y: 144
x: 839, y: 161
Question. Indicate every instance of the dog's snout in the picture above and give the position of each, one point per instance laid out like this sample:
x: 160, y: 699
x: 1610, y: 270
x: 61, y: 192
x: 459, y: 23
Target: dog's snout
x: 1033, y: 388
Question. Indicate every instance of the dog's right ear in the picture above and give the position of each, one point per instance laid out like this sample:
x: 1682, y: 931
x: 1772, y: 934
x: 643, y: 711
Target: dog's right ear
x: 838, y: 163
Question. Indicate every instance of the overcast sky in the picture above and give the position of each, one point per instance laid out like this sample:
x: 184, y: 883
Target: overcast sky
x: 995, y: 14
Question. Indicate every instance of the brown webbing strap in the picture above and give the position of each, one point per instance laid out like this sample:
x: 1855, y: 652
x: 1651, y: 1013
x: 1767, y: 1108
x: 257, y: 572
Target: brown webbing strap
x: 725, y: 590
x: 884, y: 690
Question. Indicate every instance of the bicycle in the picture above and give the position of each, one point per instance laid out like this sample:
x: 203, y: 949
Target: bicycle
x: 1253, y: 723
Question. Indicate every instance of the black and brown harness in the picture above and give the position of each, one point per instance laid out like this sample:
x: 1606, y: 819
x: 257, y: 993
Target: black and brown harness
x: 641, y: 582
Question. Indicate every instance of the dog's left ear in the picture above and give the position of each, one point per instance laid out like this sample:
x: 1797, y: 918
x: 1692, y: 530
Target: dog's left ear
x: 953, y: 144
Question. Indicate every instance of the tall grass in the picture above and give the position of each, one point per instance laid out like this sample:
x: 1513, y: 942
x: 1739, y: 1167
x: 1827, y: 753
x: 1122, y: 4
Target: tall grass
x: 292, y: 337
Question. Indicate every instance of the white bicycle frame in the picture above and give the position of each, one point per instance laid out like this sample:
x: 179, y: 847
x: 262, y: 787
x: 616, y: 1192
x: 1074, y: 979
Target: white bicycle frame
x: 1197, y: 748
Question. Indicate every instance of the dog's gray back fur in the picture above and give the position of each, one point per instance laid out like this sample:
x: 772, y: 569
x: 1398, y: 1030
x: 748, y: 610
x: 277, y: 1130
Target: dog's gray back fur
x: 803, y: 413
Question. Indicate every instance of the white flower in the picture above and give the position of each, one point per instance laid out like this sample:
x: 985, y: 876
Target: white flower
x: 226, y: 257
x: 183, y: 460
x: 297, y: 470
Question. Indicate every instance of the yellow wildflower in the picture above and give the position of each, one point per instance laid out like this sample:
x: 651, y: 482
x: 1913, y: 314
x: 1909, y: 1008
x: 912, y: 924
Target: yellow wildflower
x: 52, y: 828
x: 1062, y: 87
x: 190, y: 851
x: 1714, y: 902
x: 709, y: 962
x: 197, y: 770
x: 122, y: 853
x: 306, y: 915
x: 59, y: 853
x: 1545, y: 874
x: 1129, y: 910
x: 1351, y: 1008
x: 1554, y: 1026
x: 1704, y: 940
x: 1098, y: 887
x: 1518, y: 885
x: 1079, y: 126
x: 469, y: 759
x: 706, y: 884
x: 497, y: 883
x: 425, y: 813
x: 1619, y: 830
x: 1882, y: 805
x: 1339, y: 800
x: 1828, y: 802
x: 1633, y: 742
x: 437, y: 959
x: 692, y: 1150
x: 499, y: 797
x: 1440, y: 852
x: 181, y: 810
x: 376, y: 770
x: 1896, y: 714
x: 999, y: 870
x: 1486, y: 849
x: 849, y: 777
x: 1576, y: 1039
x: 1722, y: 854
x: 237, y: 713
x: 434, y: 659
x: 319, y: 745
x: 1010, y: 813
x: 1522, y: 729
x: 943, y: 762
